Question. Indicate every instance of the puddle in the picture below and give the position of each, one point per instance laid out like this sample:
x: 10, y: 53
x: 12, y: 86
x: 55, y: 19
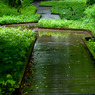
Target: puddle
x: 61, y: 65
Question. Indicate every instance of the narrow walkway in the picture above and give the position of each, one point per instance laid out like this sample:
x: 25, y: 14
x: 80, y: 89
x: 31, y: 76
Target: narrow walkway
x: 63, y: 65
x: 45, y: 11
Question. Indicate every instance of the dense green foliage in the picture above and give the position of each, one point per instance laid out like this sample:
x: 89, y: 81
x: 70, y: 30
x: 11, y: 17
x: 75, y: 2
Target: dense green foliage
x: 19, y: 19
x: 17, y: 3
x: 11, y: 15
x: 90, y: 2
x: 86, y: 24
x: 69, y: 12
x: 6, y: 10
x: 28, y: 10
x: 14, y: 47
x: 26, y: 2
x: 74, y: 15
x: 62, y: 2
x: 92, y: 43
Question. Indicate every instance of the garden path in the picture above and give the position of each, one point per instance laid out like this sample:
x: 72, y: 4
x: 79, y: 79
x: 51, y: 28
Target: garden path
x: 45, y: 11
x: 60, y: 65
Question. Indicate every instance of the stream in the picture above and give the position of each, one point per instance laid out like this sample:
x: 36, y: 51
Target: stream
x: 60, y: 65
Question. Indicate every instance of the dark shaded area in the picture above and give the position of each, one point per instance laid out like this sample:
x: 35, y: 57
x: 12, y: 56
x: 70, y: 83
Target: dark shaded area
x: 14, y: 3
x: 16, y: 92
x: 90, y: 2
x: 42, y: 0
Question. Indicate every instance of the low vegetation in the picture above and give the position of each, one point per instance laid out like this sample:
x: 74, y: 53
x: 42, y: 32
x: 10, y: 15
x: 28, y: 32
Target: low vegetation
x: 92, y: 43
x: 69, y: 12
x: 19, y: 19
x: 25, y: 13
x: 15, y: 45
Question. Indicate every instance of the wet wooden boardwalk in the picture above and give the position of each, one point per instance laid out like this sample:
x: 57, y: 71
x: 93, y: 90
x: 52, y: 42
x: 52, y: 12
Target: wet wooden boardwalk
x: 60, y: 65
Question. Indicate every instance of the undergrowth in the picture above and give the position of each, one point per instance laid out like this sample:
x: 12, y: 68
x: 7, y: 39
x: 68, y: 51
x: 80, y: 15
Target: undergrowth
x: 11, y: 15
x: 14, y: 48
x: 92, y: 43
x: 19, y: 19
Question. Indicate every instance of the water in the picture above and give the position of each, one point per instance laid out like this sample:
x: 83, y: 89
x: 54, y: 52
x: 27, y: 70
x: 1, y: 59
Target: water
x: 62, y: 65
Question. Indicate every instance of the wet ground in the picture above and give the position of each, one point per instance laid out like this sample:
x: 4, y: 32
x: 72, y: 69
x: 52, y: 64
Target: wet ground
x: 60, y: 65
x: 45, y: 11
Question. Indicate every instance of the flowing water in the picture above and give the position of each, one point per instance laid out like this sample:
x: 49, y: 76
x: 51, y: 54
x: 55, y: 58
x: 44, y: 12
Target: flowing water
x: 61, y: 65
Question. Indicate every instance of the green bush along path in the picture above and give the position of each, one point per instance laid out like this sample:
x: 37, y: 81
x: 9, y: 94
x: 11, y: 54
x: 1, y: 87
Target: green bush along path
x: 15, y: 43
x: 14, y: 48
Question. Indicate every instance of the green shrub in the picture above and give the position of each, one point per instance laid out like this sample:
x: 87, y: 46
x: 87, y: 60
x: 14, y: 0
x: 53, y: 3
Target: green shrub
x: 78, y: 24
x: 6, y: 10
x: 19, y: 19
x: 61, y: 3
x: 14, y: 46
x: 69, y: 12
x: 26, y: 2
x: 29, y: 10
x: 10, y: 14
x: 90, y: 11
x: 58, y: 23
x: 90, y: 2
x: 92, y: 43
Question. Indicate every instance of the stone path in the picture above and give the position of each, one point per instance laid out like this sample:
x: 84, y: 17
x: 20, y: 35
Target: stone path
x: 45, y: 12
